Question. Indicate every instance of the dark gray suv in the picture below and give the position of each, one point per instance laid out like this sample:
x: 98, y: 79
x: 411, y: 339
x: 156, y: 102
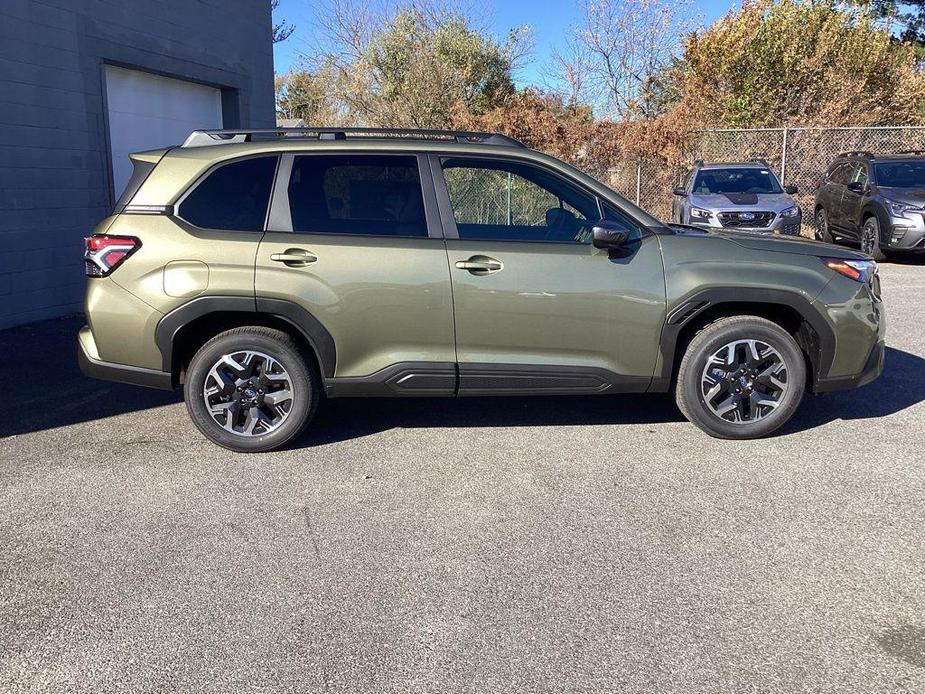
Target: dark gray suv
x: 876, y: 200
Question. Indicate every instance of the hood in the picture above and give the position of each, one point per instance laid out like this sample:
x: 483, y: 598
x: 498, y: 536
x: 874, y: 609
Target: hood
x: 772, y: 202
x: 910, y: 196
x: 761, y: 241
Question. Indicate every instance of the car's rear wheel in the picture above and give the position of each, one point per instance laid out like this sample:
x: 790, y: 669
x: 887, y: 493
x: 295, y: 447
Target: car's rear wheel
x: 870, y: 239
x: 251, y: 389
x: 823, y: 232
x: 741, y: 378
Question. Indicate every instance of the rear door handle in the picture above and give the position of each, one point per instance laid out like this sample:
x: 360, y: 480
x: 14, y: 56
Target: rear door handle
x: 480, y: 265
x: 294, y: 257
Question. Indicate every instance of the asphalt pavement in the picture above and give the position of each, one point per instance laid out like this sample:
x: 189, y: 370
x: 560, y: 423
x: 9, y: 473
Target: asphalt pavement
x: 507, y: 545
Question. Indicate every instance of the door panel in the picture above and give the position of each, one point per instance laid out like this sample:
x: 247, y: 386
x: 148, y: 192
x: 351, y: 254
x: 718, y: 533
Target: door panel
x: 383, y: 300
x: 852, y: 202
x: 558, y: 305
x: 360, y: 251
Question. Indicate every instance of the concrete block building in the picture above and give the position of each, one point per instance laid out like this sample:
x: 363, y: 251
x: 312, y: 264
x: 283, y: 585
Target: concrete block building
x: 82, y: 84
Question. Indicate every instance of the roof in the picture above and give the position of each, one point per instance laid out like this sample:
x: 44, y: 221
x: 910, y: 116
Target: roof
x: 884, y: 156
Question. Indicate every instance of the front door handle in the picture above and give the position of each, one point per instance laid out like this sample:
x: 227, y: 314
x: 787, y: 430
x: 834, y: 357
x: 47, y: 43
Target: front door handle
x: 480, y: 265
x: 294, y: 257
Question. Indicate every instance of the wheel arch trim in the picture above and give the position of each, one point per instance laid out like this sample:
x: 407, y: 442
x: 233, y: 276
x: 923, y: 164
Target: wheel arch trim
x: 697, y: 303
x: 314, y: 332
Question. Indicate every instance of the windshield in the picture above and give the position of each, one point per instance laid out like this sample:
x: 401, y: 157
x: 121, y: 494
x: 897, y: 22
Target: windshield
x: 755, y: 180
x: 900, y: 174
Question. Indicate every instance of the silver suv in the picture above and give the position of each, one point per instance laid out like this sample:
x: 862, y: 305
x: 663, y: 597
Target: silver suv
x: 745, y: 196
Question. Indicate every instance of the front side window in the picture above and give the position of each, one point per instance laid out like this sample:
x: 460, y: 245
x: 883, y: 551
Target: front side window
x: 511, y: 201
x: 840, y: 174
x: 900, y: 174
x: 858, y: 173
x: 739, y: 180
x: 356, y: 194
x: 233, y: 197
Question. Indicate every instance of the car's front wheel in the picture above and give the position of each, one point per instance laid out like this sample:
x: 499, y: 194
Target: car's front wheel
x: 741, y: 377
x: 823, y: 232
x: 251, y: 389
x: 870, y: 239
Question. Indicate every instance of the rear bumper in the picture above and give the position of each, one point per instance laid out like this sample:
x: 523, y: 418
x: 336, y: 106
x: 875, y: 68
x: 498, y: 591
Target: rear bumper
x: 121, y: 373
x: 871, y: 371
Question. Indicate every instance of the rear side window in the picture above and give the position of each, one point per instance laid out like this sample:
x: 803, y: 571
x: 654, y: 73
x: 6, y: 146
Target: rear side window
x: 356, y: 194
x: 233, y: 197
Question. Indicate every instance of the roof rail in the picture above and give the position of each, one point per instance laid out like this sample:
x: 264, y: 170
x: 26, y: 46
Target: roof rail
x: 203, y: 138
x: 759, y: 160
x: 857, y: 153
x: 911, y: 151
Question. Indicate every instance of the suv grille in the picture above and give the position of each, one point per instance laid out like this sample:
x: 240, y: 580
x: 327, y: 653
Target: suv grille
x: 745, y: 219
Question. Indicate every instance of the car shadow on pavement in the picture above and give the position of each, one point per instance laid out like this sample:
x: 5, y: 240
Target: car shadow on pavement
x: 59, y: 395
x: 53, y: 392
x: 901, y: 386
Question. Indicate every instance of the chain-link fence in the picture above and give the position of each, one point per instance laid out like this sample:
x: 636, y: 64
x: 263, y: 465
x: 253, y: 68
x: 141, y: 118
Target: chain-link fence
x: 800, y: 156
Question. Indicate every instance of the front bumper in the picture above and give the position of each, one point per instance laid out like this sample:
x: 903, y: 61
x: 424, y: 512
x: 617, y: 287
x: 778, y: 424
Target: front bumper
x: 786, y: 226
x: 871, y: 371
x: 94, y: 367
x: 905, y: 234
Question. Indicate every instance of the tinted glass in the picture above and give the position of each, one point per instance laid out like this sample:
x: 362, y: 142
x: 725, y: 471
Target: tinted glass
x: 357, y: 194
x: 840, y: 174
x: 510, y: 201
x: 234, y: 196
x: 900, y: 174
x: 858, y: 173
x: 612, y: 214
x: 739, y: 180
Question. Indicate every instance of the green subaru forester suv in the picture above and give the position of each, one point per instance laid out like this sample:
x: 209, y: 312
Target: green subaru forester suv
x: 266, y: 270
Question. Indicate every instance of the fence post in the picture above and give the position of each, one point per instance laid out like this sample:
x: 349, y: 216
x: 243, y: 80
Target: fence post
x: 638, y: 180
x: 783, y: 159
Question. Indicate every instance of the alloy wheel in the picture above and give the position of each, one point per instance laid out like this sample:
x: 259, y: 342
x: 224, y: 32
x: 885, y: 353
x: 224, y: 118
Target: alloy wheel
x: 248, y: 393
x: 868, y: 237
x: 744, y: 381
x: 822, y: 226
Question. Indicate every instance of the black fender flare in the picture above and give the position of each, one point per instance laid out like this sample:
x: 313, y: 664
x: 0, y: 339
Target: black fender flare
x: 317, y: 336
x: 695, y: 304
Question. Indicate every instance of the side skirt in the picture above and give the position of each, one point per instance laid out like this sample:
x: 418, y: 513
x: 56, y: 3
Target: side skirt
x: 442, y: 379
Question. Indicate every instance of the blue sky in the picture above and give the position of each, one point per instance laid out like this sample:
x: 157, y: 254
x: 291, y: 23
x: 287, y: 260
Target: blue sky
x: 548, y: 20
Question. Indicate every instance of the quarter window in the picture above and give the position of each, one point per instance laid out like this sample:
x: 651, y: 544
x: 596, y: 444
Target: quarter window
x: 356, y: 194
x: 511, y: 201
x: 233, y: 197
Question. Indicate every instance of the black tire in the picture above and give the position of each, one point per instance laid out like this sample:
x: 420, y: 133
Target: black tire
x: 689, y: 390
x: 870, y: 239
x: 305, y: 385
x: 823, y: 232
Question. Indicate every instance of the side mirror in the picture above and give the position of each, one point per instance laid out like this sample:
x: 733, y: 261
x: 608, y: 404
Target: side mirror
x: 791, y: 190
x: 609, y: 234
x: 857, y: 187
x: 679, y: 190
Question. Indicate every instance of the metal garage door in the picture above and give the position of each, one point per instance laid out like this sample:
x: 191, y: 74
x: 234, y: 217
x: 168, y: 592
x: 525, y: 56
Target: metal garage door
x: 148, y: 111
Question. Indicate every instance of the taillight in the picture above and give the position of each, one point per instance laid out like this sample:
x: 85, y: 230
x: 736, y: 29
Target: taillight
x: 105, y: 253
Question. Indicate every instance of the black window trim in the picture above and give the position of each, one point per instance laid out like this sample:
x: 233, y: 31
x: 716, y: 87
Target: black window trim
x: 279, y: 218
x: 449, y: 219
x: 174, y: 207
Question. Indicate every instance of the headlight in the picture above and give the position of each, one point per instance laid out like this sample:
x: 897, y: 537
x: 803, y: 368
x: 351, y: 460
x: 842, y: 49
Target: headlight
x: 698, y: 213
x: 790, y: 212
x: 858, y: 270
x: 899, y: 209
